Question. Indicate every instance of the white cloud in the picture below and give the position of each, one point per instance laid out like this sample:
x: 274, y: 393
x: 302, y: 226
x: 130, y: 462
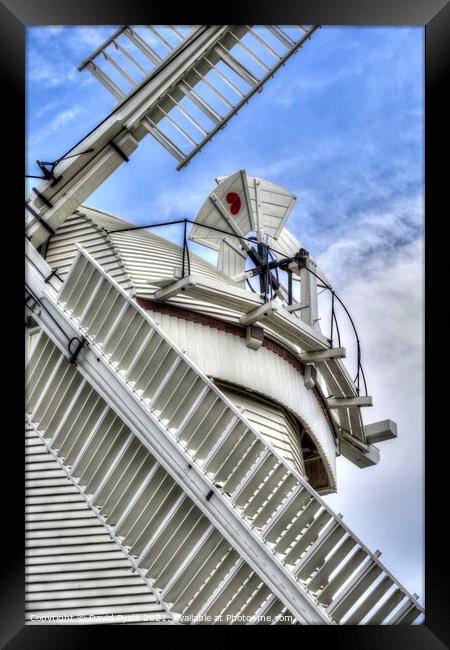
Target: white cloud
x: 369, y: 241
x: 59, y: 122
x: 370, y: 66
x: 52, y: 61
x: 313, y: 83
x: 41, y: 70
x: 384, y: 504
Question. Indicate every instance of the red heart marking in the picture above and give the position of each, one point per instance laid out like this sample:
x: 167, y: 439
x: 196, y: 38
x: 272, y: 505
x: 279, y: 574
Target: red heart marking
x: 235, y: 202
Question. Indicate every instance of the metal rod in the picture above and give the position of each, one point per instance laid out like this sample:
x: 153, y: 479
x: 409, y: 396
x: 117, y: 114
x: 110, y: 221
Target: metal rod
x: 184, y: 248
x: 132, y: 60
x: 161, y: 37
x: 250, y: 52
x: 89, y: 59
x: 246, y: 98
x: 332, y: 317
x: 263, y: 42
x: 119, y: 68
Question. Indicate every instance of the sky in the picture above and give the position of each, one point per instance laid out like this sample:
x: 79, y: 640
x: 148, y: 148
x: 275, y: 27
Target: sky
x: 341, y: 126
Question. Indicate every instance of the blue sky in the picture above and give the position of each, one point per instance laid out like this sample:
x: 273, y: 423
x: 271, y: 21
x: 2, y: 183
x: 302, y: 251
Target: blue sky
x: 341, y: 126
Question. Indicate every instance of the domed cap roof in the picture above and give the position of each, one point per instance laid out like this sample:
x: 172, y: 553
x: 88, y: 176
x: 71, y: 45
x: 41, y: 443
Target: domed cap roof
x: 139, y: 260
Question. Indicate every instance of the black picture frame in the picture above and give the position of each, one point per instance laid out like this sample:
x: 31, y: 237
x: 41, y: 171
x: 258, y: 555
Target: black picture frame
x: 15, y: 16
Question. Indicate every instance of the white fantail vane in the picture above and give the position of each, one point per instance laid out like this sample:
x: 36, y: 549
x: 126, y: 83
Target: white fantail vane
x: 244, y: 217
x: 240, y: 205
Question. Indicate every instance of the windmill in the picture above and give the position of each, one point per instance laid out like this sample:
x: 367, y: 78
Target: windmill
x: 169, y: 478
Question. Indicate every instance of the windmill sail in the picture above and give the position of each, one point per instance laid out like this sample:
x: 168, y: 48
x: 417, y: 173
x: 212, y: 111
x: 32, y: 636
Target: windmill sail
x: 272, y: 205
x: 132, y: 53
x: 182, y: 94
x: 221, y: 81
x: 197, y: 541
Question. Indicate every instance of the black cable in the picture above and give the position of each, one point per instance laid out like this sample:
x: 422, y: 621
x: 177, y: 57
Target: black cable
x: 49, y: 172
x: 250, y: 285
x: 184, y: 250
x: 332, y: 317
x: 282, y: 254
x: 153, y: 225
x: 177, y: 221
x: 158, y: 69
x: 337, y: 330
x: 186, y: 255
x: 334, y: 321
x: 171, y: 223
x: 364, y: 378
x: 351, y: 321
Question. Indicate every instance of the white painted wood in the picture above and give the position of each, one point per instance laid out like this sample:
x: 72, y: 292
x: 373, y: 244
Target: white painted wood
x: 323, y: 355
x: 75, y: 187
x: 346, y: 402
x: 81, y: 175
x: 153, y: 434
x: 80, y: 228
x: 194, y: 474
x: 225, y: 356
x: 380, y: 431
x: 260, y: 313
x: 273, y: 423
x: 265, y: 208
x: 82, y: 586
x: 144, y: 256
x: 308, y: 294
x: 216, y: 212
x: 231, y: 259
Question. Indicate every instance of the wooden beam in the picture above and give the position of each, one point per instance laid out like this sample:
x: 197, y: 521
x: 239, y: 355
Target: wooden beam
x: 380, y: 431
x: 348, y: 402
x: 175, y: 288
x: 308, y: 294
x: 297, y: 306
x: 259, y: 313
x: 254, y: 336
x: 360, y: 458
x: 310, y: 376
x: 317, y: 356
